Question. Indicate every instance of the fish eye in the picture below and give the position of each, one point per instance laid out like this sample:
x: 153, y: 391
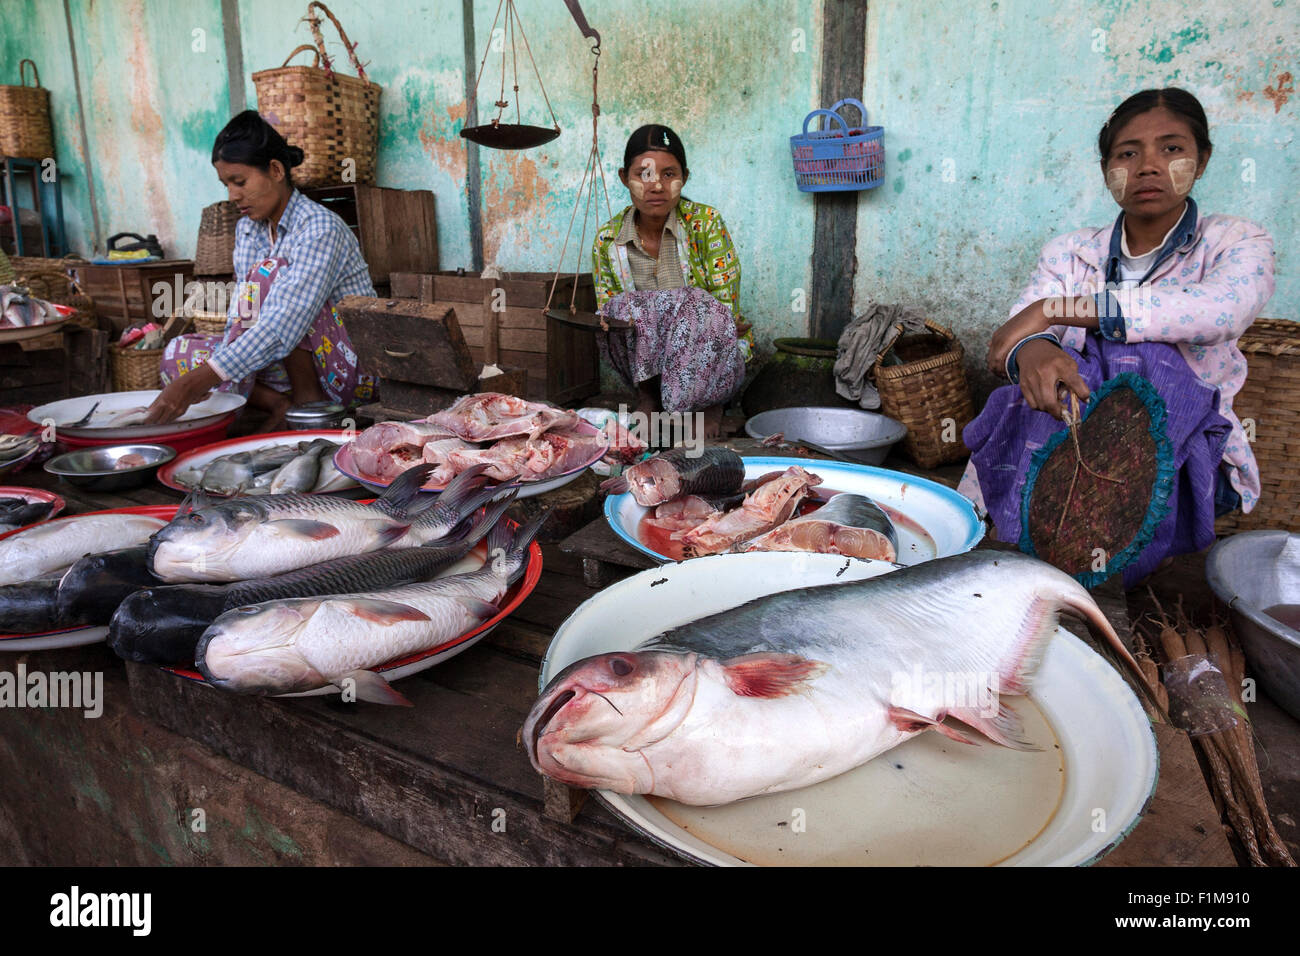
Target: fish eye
x: 620, y: 666
x: 194, y: 518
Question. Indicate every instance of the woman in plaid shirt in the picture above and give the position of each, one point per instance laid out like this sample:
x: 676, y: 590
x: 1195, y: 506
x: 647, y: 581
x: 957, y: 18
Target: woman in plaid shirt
x: 284, y: 343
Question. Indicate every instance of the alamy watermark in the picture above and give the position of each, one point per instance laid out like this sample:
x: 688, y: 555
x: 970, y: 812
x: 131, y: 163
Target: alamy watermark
x: 951, y: 690
x: 666, y: 429
x: 75, y: 689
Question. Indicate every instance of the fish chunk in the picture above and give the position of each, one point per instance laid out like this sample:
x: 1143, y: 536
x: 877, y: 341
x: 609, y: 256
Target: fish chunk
x: 847, y: 524
x: 768, y: 506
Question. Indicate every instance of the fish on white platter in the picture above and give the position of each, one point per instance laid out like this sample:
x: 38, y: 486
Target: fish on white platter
x: 803, y: 685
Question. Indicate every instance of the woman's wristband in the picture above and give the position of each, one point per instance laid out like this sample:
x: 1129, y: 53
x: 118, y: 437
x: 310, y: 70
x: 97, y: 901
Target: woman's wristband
x: 1012, y: 367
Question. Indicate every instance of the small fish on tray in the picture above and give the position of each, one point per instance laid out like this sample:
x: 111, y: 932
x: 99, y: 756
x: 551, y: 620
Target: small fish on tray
x: 305, y: 467
x: 19, y: 512
x: 13, y: 447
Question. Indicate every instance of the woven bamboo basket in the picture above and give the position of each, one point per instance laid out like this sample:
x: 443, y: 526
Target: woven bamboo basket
x: 208, y: 323
x: 1269, y: 408
x: 928, y: 392
x: 55, y: 285
x: 215, y: 251
x: 25, y: 128
x: 333, y: 118
x: 135, y: 369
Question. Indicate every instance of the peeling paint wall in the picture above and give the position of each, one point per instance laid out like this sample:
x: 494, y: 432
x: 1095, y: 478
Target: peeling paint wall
x: 991, y: 112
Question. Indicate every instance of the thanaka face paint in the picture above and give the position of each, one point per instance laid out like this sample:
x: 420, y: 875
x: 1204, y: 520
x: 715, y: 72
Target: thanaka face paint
x: 649, y: 175
x: 1182, y: 173
x: 1117, y: 182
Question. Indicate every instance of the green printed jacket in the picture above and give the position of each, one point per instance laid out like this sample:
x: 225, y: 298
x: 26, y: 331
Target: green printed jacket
x: 706, y: 253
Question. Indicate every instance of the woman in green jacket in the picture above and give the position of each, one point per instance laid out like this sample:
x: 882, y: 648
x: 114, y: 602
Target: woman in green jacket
x: 668, y: 266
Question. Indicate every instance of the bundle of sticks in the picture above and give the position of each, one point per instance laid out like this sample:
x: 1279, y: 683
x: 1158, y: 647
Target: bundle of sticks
x: 1230, y: 754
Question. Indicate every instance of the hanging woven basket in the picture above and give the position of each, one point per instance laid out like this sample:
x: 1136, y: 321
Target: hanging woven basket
x: 332, y: 118
x: 215, y: 251
x: 25, y: 128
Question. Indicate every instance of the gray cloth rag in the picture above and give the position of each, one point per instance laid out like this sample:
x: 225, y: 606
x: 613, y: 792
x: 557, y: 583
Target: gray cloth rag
x: 862, y: 341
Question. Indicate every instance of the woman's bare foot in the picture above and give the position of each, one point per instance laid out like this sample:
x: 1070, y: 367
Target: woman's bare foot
x: 712, y: 422
x: 647, y: 396
x: 275, y: 404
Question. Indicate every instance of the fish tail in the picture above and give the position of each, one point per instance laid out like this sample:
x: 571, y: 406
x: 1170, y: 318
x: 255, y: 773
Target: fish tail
x: 402, y: 493
x: 461, y: 489
x: 196, y: 500
x: 514, y: 544
x: 1082, y: 605
x: 484, y: 523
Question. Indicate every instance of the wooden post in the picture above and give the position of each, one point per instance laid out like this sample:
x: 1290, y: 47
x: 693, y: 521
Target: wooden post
x: 835, y: 230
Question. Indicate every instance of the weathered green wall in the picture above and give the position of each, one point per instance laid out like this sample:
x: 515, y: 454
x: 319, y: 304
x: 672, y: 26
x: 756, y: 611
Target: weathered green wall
x: 1005, y: 97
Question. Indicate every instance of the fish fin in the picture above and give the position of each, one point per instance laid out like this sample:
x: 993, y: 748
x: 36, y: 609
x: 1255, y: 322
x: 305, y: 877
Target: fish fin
x: 1038, y: 627
x: 1004, y: 727
x: 614, y: 486
x: 480, y: 609
x: 372, y: 687
x: 384, y: 612
x: 390, y: 532
x: 769, y: 674
x: 303, y: 527
x: 404, y: 491
x: 909, y: 720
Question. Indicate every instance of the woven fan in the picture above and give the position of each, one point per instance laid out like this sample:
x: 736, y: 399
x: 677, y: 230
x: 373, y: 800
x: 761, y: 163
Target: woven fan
x: 1097, y: 491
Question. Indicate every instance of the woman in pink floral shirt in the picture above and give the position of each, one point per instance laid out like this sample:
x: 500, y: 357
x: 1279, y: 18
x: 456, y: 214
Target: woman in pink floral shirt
x: 1161, y: 284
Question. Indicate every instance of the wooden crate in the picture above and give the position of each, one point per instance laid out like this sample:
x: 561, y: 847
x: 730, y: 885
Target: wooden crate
x: 563, y: 362
x: 397, y: 228
x: 126, y: 295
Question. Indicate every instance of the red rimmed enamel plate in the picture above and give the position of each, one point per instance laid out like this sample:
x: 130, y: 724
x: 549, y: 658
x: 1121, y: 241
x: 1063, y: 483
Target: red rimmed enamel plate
x: 422, y: 661
x: 344, y: 462
x: 33, y: 495
x: 199, y: 457
x: 75, y: 636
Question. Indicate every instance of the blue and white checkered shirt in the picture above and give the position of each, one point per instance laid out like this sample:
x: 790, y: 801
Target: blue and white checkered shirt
x: 324, y: 264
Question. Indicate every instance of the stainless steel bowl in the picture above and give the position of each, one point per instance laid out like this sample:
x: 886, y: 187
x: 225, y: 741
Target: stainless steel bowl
x: 1251, y: 572
x: 95, y: 469
x: 860, y: 435
x: 314, y: 415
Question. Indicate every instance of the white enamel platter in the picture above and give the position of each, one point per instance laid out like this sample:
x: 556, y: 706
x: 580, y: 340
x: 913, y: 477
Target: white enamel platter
x: 344, y: 462
x: 945, y: 522
x: 199, y: 415
x: 875, y: 814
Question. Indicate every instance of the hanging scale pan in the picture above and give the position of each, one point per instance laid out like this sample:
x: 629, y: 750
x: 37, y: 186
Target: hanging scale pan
x: 509, y: 135
x: 499, y: 135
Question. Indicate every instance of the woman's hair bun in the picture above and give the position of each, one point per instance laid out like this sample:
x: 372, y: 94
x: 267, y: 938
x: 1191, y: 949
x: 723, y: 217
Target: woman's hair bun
x: 250, y: 140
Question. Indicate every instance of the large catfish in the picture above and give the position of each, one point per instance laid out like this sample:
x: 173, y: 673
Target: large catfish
x: 800, y: 686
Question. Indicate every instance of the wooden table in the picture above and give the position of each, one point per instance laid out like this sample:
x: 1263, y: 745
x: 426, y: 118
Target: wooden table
x: 448, y: 777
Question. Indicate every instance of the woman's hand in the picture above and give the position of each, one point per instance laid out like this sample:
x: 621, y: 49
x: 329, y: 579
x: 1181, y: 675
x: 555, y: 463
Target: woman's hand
x: 1028, y: 321
x: 180, y: 394
x: 1044, y: 369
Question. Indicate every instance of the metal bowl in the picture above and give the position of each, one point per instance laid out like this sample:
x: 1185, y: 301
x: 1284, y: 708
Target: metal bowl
x: 95, y: 469
x: 1250, y: 572
x: 862, y: 436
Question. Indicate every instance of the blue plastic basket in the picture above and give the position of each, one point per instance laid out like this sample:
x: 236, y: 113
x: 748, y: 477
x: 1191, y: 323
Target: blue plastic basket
x: 835, y: 160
